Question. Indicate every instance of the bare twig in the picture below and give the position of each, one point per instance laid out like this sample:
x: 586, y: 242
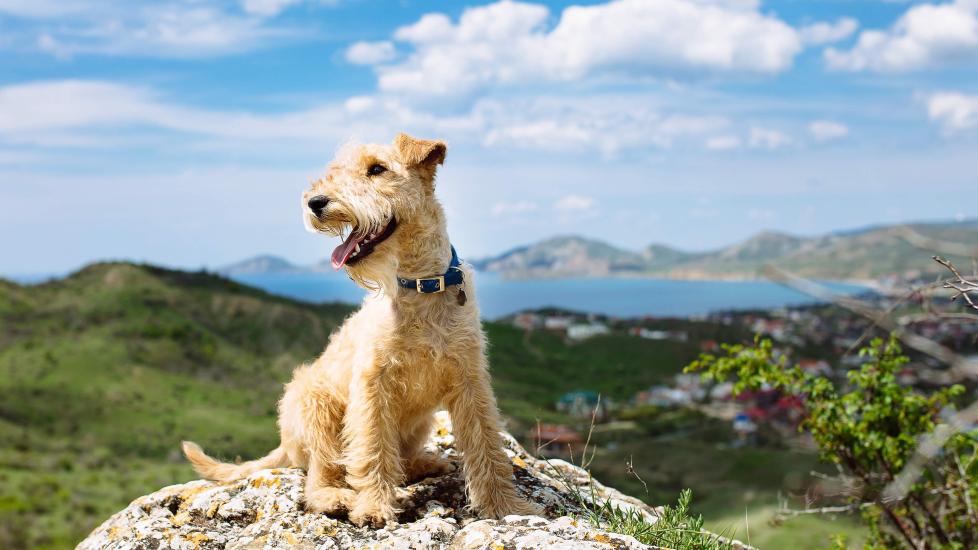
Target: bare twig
x: 630, y: 469
x: 961, y: 367
x: 932, y: 245
x: 962, y: 287
x: 929, y: 447
x: 785, y: 512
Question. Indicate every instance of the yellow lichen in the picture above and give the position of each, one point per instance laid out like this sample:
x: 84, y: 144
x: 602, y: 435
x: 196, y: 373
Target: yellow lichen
x: 180, y: 519
x: 322, y: 532
x: 260, y: 482
x: 519, y: 462
x: 197, y: 538
x: 290, y: 538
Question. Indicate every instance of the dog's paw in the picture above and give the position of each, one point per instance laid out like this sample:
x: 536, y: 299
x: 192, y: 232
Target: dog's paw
x: 512, y: 507
x: 372, y: 514
x: 427, y: 465
x: 330, y: 500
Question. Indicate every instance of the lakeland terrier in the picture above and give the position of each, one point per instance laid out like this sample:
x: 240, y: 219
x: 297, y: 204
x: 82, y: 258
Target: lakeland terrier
x: 357, y: 418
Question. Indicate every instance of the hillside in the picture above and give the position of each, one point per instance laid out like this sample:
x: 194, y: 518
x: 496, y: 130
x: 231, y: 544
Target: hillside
x: 104, y: 372
x: 861, y: 254
x: 265, y: 263
x: 565, y: 256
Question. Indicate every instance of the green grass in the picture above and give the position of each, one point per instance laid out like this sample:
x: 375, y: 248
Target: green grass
x: 103, y: 373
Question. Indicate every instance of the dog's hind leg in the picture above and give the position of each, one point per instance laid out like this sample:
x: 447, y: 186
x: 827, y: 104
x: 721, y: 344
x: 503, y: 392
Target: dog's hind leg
x: 325, y: 490
x: 419, y: 462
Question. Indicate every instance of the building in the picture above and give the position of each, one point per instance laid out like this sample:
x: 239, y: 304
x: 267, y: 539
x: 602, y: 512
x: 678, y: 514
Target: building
x: 583, y: 332
x: 583, y: 404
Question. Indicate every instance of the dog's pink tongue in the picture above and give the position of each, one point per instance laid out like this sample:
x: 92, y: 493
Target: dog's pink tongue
x: 342, y: 252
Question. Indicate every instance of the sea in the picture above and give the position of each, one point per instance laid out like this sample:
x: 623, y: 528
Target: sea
x: 613, y: 296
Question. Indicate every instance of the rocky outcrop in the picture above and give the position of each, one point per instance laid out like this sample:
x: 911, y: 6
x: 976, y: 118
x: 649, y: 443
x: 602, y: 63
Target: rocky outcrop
x: 265, y: 511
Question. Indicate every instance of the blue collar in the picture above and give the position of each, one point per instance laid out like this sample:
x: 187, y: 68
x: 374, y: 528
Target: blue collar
x: 432, y: 285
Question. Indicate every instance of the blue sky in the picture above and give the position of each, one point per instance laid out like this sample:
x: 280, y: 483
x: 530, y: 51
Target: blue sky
x: 183, y: 132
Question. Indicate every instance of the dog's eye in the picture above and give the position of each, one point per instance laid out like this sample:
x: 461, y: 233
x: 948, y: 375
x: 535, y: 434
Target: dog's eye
x: 376, y: 170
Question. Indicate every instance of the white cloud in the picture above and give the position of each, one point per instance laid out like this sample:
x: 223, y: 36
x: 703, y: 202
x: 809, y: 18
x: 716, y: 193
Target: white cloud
x: 766, y: 138
x: 267, y: 8
x: 954, y: 111
x: 43, y: 9
x: 925, y: 36
x: 827, y: 130
x: 574, y: 203
x: 510, y: 43
x: 604, y: 125
x: 723, y: 143
x: 371, y: 53
x: 89, y: 113
x: 66, y: 111
x: 513, y: 208
x: 826, y: 33
x: 148, y: 29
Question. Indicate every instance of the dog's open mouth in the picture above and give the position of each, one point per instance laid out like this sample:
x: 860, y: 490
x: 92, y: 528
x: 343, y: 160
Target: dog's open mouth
x: 358, y: 246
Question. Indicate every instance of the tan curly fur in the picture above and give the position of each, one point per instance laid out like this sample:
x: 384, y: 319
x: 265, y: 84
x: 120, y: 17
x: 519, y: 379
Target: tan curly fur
x: 357, y: 418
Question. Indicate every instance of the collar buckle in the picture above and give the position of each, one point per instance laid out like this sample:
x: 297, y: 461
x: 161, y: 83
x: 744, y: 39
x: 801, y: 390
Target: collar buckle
x: 439, y: 280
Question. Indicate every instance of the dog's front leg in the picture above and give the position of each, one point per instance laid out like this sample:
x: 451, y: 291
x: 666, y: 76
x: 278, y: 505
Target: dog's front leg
x: 475, y: 421
x: 372, y: 453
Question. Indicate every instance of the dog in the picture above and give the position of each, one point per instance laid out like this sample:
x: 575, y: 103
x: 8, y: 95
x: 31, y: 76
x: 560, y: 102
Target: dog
x: 357, y: 418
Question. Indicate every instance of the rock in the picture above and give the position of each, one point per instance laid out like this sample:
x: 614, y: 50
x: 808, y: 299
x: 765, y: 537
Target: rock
x: 264, y: 511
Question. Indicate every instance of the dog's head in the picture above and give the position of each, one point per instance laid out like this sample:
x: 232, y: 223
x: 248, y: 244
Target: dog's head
x: 368, y: 190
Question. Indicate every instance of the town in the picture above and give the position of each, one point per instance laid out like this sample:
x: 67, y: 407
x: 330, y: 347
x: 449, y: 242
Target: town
x: 823, y: 339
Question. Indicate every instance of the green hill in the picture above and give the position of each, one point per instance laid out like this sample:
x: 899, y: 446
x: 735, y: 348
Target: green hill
x: 104, y: 372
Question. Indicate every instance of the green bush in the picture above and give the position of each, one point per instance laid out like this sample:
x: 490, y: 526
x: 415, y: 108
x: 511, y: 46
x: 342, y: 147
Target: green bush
x: 871, y: 428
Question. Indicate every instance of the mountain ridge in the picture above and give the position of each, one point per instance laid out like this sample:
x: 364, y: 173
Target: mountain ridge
x: 863, y: 253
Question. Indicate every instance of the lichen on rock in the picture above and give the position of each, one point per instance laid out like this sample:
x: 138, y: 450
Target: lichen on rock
x: 265, y: 511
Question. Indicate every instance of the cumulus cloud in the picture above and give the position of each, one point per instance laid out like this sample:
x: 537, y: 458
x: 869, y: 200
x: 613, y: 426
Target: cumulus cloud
x: 602, y: 125
x: 371, y: 53
x: 574, y: 203
x: 766, y: 138
x: 826, y: 130
x: 826, y: 33
x: 925, y: 36
x: 954, y: 111
x: 511, y: 43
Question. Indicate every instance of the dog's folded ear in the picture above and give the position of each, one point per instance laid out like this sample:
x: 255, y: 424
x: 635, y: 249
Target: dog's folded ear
x: 420, y: 152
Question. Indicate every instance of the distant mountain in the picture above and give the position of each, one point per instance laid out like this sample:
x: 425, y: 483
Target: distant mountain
x: 866, y: 253
x: 565, y: 256
x: 265, y: 263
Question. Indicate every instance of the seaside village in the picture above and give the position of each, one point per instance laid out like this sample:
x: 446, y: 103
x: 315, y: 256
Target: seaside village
x: 820, y: 339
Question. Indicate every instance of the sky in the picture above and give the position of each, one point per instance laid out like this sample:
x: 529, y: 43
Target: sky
x: 183, y: 132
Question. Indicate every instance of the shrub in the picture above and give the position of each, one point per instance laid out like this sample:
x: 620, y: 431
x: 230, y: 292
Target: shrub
x: 870, y: 428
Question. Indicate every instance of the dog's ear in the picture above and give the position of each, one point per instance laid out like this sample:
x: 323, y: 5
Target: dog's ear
x: 420, y: 152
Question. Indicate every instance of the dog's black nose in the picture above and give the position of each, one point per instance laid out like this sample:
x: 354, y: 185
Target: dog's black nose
x: 317, y: 204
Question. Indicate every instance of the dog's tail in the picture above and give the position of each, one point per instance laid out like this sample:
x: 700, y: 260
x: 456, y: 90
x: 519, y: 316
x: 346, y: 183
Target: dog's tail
x: 209, y: 468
